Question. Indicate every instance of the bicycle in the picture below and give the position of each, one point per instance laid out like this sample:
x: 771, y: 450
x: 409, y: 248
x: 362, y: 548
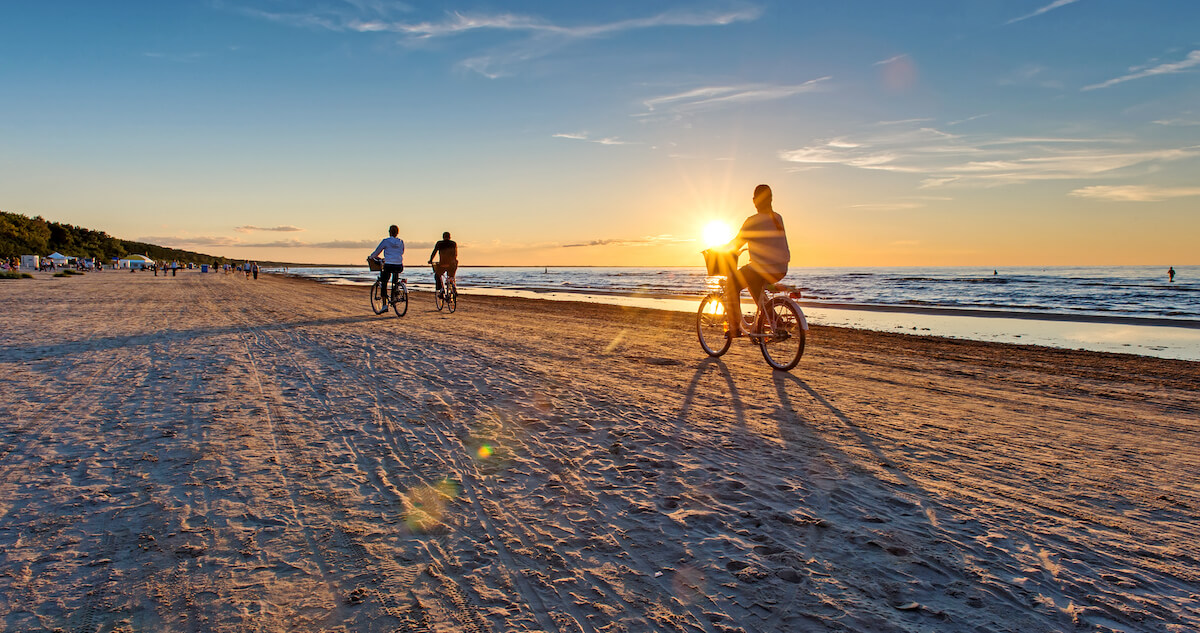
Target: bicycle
x: 779, y: 329
x: 447, y: 297
x: 398, y: 296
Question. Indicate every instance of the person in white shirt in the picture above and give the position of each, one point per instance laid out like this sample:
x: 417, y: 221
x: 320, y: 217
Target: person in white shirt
x: 392, y: 248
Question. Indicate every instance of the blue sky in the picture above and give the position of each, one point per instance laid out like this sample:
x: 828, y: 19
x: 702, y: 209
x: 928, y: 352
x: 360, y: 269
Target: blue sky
x: 989, y: 132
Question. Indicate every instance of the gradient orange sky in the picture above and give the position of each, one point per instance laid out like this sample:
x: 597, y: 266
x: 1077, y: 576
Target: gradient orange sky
x: 998, y: 133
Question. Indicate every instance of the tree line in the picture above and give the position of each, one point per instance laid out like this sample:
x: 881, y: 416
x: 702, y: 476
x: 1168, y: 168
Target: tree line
x: 21, y: 235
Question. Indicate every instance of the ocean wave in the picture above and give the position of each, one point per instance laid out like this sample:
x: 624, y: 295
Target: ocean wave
x: 1134, y: 290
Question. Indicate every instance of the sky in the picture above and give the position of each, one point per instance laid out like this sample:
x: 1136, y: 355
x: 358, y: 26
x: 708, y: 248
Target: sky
x: 893, y: 133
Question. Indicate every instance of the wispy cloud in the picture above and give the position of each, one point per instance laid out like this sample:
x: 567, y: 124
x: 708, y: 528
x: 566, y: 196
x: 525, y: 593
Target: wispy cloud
x: 194, y: 241
x: 301, y: 244
x: 1050, y: 7
x: 584, y: 136
x: 942, y: 159
x: 969, y: 119
x: 456, y: 23
x: 1135, y: 193
x: 715, y: 96
x: 280, y: 229
x: 1192, y: 60
x: 1177, y: 122
x: 187, y: 241
x: 539, y: 36
x: 893, y: 59
x: 654, y: 240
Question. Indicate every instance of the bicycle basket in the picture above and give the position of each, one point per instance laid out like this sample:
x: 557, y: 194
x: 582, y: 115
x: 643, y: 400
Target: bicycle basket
x: 374, y: 264
x: 719, y: 262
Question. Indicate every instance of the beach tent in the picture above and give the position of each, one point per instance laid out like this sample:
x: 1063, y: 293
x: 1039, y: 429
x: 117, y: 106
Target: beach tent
x: 58, y: 258
x: 135, y: 261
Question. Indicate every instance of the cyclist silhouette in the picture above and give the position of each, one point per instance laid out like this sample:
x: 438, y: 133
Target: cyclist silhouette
x: 392, y: 248
x: 446, y: 250
x: 765, y: 238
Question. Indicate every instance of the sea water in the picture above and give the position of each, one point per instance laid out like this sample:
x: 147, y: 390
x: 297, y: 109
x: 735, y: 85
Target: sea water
x: 1132, y: 309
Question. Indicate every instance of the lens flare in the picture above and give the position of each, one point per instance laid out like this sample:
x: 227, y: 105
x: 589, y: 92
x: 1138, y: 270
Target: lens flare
x: 427, y: 504
x: 485, y: 451
x: 716, y: 233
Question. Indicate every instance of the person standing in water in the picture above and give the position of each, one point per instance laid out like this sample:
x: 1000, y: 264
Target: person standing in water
x: 1171, y: 274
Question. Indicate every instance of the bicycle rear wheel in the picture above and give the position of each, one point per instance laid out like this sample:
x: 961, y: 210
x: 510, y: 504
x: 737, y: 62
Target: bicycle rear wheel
x: 783, y: 344
x: 451, y: 296
x: 400, y: 299
x: 377, y: 300
x: 710, y: 325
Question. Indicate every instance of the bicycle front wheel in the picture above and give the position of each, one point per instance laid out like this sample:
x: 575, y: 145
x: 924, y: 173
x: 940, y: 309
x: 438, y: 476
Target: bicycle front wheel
x: 451, y: 297
x: 400, y: 299
x: 377, y: 300
x: 439, y: 299
x: 710, y: 325
x: 783, y: 343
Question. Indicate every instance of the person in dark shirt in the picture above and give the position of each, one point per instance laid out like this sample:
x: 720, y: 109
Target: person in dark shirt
x: 763, y: 235
x: 446, y: 250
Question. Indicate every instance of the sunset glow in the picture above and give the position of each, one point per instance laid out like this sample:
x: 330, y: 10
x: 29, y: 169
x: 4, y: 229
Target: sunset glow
x: 716, y: 233
x: 581, y: 134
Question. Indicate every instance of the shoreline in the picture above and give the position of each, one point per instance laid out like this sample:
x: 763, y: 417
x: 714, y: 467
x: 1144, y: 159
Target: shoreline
x: 1143, y: 336
x: 1081, y: 317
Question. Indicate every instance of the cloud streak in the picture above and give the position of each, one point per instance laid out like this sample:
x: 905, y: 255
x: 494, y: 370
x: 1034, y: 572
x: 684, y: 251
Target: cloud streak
x: 654, y: 240
x: 584, y: 136
x: 192, y: 241
x: 538, y: 36
x: 1050, y: 7
x: 281, y: 229
x: 457, y: 23
x: 944, y: 159
x: 1192, y: 60
x: 1135, y: 193
x: 716, y: 96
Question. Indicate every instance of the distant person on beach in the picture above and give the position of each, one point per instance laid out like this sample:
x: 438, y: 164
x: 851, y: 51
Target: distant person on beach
x: 765, y: 238
x: 1171, y: 274
x: 446, y: 250
x: 254, y: 269
x: 392, y: 248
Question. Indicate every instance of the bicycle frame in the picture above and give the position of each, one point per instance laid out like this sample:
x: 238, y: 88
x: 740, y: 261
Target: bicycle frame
x: 764, y: 298
x: 447, y: 296
x: 778, y: 326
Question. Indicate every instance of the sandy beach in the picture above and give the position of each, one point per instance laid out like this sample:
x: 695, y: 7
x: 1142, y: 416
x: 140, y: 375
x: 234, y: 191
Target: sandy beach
x: 212, y: 453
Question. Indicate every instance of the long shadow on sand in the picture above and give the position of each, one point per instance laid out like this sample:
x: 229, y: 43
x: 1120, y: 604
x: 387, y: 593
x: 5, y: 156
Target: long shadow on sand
x: 783, y: 379
x: 702, y: 369
x: 916, y: 549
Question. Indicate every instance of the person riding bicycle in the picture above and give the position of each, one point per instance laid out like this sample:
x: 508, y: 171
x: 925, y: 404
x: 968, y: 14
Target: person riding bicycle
x: 446, y: 250
x: 392, y: 248
x: 766, y: 240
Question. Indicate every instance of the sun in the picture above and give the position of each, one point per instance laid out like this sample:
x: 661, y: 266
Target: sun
x: 716, y: 233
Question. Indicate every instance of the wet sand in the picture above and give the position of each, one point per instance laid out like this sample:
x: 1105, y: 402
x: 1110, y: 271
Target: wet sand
x: 208, y: 452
